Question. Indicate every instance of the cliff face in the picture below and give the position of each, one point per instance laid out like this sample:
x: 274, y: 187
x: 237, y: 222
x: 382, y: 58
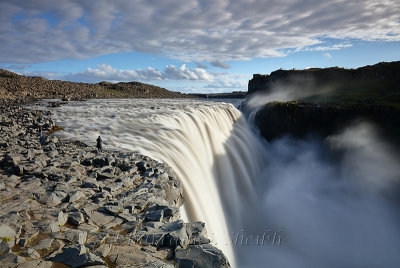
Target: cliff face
x: 379, y: 82
x: 371, y: 93
x: 15, y: 86
x: 276, y: 119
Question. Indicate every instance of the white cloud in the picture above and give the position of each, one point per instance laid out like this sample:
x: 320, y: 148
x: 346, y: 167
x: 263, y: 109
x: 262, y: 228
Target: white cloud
x: 327, y: 55
x: 220, y: 64
x: 192, y: 30
x: 325, y: 48
x: 171, y: 72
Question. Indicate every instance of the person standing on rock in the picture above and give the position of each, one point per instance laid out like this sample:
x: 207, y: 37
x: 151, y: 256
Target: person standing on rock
x: 99, y: 144
x: 41, y: 138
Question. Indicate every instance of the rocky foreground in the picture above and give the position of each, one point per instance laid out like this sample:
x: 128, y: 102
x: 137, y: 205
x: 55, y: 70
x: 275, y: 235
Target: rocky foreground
x: 63, y: 204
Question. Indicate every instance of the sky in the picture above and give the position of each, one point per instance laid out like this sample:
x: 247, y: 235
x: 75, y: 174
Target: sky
x: 193, y: 45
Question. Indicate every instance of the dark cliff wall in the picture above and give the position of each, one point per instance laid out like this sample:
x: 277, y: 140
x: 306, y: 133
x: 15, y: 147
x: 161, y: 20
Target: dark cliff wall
x: 276, y: 119
x: 376, y: 83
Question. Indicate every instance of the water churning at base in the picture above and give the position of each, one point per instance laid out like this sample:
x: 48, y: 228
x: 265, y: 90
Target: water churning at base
x: 333, y: 201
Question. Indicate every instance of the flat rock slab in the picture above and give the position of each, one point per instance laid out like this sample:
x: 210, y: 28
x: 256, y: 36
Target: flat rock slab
x: 72, y: 235
x: 115, y: 222
x: 77, y: 256
x: 88, y: 228
x: 6, y: 231
x: 99, y: 218
x: 44, y: 244
x: 131, y: 256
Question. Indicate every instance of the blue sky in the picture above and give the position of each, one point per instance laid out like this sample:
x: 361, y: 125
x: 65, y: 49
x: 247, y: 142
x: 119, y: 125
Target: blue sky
x: 194, y: 45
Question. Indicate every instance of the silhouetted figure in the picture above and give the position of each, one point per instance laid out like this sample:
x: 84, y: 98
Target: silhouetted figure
x: 99, y: 144
x: 41, y: 137
x: 40, y: 132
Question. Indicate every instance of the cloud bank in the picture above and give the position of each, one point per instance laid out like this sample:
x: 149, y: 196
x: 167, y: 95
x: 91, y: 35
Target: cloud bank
x: 170, y: 72
x: 206, y: 81
x: 193, y: 30
x: 108, y: 73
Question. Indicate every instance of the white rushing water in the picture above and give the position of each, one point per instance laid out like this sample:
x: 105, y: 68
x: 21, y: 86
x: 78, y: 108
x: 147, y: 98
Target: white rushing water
x: 208, y: 144
x: 284, y: 204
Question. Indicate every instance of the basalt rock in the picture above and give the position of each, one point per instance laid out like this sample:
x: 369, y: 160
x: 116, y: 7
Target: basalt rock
x: 200, y: 256
x: 302, y: 119
x: 62, y: 201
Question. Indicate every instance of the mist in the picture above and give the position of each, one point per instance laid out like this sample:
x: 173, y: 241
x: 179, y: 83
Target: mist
x: 309, y: 202
x: 331, y: 200
x: 295, y: 88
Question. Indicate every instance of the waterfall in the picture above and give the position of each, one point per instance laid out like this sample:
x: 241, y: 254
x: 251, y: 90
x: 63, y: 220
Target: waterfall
x: 327, y: 203
x: 209, y: 146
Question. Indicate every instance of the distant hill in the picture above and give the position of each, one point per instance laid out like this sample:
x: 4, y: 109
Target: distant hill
x: 372, y: 84
x: 15, y: 86
x: 226, y: 95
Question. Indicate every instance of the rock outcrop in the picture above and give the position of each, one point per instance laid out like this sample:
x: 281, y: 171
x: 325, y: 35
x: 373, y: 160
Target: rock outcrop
x: 276, y: 119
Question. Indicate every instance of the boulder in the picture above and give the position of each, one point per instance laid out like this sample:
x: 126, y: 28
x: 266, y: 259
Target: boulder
x: 170, y: 235
x: 96, y: 239
x: 101, y: 176
x: 11, y: 260
x: 100, y: 162
x: 197, y: 233
x: 176, y: 234
x: 77, y: 256
x: 76, y: 218
x: 72, y: 235
x: 92, y: 185
x: 200, y: 256
x: 154, y: 215
x: 76, y: 195
x: 62, y: 218
x: 4, y: 247
x: 51, y: 227
x: 103, y: 250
